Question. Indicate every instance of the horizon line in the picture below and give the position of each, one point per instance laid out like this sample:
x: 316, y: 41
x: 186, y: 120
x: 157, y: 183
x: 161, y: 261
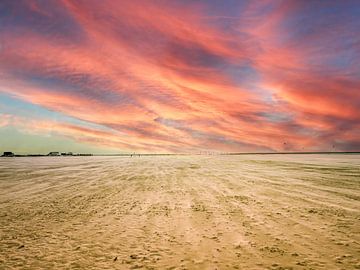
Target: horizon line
x: 188, y: 154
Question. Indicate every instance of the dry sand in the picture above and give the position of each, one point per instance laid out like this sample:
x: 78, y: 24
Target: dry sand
x: 180, y: 212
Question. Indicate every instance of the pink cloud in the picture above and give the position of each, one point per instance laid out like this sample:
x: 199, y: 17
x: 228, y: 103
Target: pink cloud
x: 166, y: 77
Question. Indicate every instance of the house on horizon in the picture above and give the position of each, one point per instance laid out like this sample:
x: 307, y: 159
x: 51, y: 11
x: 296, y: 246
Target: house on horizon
x: 67, y: 154
x: 54, y: 154
x: 8, y: 154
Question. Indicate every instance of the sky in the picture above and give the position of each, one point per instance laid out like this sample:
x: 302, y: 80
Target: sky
x: 157, y: 76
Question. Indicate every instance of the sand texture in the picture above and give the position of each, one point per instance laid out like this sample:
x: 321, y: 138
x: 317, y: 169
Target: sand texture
x: 180, y: 212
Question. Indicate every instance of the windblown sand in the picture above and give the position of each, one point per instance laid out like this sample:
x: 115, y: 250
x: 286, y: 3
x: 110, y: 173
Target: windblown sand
x: 180, y: 212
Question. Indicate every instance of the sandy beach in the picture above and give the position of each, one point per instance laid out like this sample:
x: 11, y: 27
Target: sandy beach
x: 180, y: 212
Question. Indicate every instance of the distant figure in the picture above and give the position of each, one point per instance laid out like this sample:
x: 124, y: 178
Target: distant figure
x: 8, y: 154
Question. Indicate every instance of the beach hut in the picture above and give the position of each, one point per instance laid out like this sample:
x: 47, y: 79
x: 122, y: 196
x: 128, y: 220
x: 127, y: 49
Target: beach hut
x: 54, y: 154
x: 8, y: 154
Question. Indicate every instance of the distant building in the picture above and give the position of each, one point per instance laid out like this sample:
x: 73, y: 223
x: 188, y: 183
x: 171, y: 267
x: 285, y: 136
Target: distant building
x: 67, y: 154
x: 8, y: 154
x: 54, y: 154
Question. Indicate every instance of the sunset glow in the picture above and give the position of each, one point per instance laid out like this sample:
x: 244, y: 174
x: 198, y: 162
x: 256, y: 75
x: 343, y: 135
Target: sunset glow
x: 180, y: 76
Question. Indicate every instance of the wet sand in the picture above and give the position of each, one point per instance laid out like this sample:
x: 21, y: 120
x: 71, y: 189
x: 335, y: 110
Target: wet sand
x: 180, y: 212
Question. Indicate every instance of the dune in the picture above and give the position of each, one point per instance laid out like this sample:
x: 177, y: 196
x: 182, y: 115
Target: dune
x: 180, y: 212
